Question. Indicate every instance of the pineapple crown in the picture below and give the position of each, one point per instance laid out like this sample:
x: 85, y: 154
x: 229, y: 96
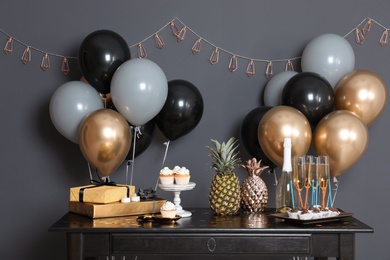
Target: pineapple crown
x: 253, y: 167
x: 224, y: 155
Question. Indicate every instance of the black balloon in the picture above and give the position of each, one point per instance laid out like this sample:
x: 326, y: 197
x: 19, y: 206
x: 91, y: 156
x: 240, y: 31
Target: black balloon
x: 143, y: 139
x: 311, y: 94
x: 100, y: 54
x: 249, y: 138
x: 182, y: 110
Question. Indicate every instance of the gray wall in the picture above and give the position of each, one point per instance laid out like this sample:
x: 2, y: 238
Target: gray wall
x: 39, y: 165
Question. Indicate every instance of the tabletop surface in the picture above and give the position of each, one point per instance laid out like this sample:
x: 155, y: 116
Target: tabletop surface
x: 205, y: 221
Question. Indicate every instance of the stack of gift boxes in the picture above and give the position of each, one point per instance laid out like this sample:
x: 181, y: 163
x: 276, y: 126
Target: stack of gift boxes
x: 114, y: 200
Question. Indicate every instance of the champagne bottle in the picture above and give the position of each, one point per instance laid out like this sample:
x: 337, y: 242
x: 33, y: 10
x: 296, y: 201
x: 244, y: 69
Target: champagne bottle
x: 284, y: 189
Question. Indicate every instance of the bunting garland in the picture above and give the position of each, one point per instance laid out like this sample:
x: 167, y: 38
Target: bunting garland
x: 179, y: 30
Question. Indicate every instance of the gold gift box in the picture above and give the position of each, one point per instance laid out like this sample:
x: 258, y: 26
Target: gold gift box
x: 116, y: 209
x: 101, y: 194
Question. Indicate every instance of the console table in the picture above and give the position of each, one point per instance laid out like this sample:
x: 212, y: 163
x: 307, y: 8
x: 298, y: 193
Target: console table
x: 207, y: 234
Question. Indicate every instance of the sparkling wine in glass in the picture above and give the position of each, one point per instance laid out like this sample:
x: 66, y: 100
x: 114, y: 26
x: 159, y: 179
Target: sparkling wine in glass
x: 309, y: 171
x: 298, y: 175
x: 323, y: 173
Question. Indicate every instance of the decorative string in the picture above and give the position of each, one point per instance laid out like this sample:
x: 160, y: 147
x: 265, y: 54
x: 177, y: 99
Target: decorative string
x: 137, y: 133
x: 90, y: 173
x: 163, y: 162
x: 360, y: 31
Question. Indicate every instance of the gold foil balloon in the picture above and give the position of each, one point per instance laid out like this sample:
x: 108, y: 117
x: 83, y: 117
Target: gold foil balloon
x: 278, y: 123
x: 363, y: 93
x: 343, y: 137
x: 104, y: 139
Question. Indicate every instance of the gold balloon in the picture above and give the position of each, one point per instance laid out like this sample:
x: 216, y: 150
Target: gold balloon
x: 363, y: 93
x: 280, y: 122
x: 105, y: 139
x: 343, y: 137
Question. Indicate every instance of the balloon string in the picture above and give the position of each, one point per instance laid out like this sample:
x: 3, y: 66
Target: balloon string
x: 90, y: 173
x: 276, y: 179
x: 137, y: 133
x: 163, y: 162
x: 129, y: 162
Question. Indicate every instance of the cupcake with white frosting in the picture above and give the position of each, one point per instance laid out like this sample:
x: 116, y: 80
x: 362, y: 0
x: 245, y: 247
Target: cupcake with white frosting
x: 166, y: 176
x: 168, y: 210
x: 182, y: 176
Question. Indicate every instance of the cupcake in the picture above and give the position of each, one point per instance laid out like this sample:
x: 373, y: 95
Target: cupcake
x: 182, y: 176
x: 305, y: 215
x: 168, y: 210
x: 166, y: 176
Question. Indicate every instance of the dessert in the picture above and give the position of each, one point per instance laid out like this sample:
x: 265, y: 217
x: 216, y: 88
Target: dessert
x: 305, y: 215
x: 293, y: 213
x: 168, y: 210
x: 166, y: 176
x: 316, y: 213
x: 333, y: 212
x: 182, y: 176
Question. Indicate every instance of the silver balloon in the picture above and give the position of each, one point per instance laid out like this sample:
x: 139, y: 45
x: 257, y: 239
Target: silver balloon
x: 139, y: 89
x: 329, y: 55
x: 70, y: 104
x: 274, y: 88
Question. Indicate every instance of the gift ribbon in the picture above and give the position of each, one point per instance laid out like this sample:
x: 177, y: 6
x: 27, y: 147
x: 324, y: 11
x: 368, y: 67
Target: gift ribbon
x: 99, y: 184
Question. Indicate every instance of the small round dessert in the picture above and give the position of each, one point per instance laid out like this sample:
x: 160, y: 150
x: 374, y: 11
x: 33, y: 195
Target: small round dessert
x: 166, y: 176
x: 293, y: 213
x: 334, y: 212
x: 168, y: 210
x: 325, y: 213
x: 305, y: 215
x: 182, y: 176
x: 316, y: 213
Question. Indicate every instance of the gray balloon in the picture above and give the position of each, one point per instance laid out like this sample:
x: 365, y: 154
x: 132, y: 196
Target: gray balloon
x: 139, y: 89
x: 274, y: 88
x: 329, y: 55
x: 70, y: 104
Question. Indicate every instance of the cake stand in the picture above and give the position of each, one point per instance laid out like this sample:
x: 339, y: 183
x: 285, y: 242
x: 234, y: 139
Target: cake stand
x: 177, y: 189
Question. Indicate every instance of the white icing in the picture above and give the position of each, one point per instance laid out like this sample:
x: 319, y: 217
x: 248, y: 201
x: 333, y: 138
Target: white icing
x: 166, y: 171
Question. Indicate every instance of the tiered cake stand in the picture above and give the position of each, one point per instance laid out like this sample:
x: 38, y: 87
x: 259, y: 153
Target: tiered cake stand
x: 177, y: 189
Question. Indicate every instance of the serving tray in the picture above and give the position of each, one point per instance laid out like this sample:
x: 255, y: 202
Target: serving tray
x: 311, y: 221
x: 158, y: 218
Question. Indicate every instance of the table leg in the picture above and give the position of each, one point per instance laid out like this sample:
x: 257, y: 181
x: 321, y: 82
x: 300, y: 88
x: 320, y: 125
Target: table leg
x: 347, y: 247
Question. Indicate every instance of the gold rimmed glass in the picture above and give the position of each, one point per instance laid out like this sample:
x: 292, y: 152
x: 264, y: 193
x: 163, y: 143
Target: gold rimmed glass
x: 323, y: 173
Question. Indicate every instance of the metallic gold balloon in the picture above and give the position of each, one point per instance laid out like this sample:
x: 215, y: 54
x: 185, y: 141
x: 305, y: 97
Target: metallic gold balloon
x: 105, y: 139
x: 343, y: 137
x: 280, y: 122
x: 363, y: 93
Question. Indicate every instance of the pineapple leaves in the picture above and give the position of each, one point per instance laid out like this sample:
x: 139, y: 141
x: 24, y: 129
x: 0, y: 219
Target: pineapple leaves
x: 224, y: 155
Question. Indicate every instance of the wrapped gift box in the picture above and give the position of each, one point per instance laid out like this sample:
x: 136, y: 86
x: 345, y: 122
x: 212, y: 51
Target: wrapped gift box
x: 101, y: 193
x: 116, y: 209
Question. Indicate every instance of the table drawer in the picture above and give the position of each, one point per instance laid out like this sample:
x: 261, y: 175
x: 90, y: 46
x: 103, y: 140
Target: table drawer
x: 218, y: 244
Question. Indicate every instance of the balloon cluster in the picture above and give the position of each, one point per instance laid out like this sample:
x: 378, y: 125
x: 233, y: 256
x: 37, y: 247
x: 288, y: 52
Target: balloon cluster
x: 139, y: 97
x: 328, y: 103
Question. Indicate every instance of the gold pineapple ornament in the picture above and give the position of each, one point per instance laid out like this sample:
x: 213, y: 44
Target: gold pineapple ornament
x: 254, y: 191
x: 225, y: 194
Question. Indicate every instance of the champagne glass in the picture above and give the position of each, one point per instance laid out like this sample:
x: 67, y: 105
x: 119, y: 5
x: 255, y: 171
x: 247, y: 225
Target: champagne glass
x: 322, y: 168
x: 298, y: 175
x: 309, y: 172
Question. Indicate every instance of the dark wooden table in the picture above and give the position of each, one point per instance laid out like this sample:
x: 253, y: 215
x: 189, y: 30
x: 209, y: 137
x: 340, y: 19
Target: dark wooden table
x: 207, y: 234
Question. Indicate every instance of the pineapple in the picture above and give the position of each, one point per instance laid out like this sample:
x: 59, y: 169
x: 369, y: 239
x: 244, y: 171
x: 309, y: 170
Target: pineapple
x: 254, y: 192
x: 225, y: 188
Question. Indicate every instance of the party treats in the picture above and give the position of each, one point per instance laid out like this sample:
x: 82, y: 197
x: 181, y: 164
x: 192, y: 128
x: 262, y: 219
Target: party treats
x: 168, y: 210
x: 182, y: 176
x: 166, y: 176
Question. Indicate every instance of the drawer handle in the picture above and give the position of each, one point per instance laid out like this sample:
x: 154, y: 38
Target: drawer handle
x: 211, y: 244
